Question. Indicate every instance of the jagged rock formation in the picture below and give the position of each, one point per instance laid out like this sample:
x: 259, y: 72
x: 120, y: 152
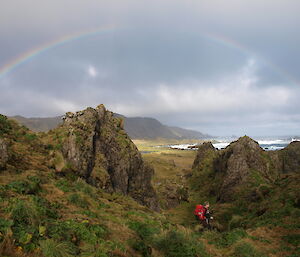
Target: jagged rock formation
x: 290, y: 158
x: 241, y: 162
x: 94, y: 144
x: 243, y: 168
x: 91, y: 143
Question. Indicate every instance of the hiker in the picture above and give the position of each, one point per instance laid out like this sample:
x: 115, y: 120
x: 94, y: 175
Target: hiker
x: 202, y: 213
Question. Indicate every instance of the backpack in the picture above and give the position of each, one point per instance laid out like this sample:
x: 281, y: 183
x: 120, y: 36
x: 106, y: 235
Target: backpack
x: 200, y: 212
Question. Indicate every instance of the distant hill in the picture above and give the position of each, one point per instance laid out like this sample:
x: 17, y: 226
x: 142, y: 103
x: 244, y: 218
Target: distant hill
x: 39, y: 124
x: 150, y: 128
x: 136, y: 127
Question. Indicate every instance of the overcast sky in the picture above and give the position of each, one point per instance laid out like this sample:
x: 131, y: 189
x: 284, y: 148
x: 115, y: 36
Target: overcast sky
x: 220, y: 67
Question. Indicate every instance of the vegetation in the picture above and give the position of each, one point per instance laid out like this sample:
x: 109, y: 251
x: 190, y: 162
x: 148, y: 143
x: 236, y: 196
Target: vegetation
x: 244, y: 249
x: 52, y: 248
x: 48, y: 212
x: 267, y: 226
x: 178, y: 244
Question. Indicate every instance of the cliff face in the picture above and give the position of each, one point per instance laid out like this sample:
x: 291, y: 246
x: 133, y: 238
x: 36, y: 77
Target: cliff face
x: 243, y: 164
x: 94, y: 145
x: 289, y: 158
x: 242, y: 169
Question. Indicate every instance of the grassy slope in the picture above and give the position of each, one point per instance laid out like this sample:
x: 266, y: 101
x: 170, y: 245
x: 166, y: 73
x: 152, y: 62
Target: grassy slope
x: 44, y: 213
x: 48, y: 213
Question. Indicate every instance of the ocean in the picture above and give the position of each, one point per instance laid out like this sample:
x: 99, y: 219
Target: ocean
x: 267, y: 144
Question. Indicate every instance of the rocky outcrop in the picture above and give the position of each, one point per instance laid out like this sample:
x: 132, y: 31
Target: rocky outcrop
x: 240, y: 162
x: 204, y: 151
x: 237, y: 171
x: 290, y: 158
x: 97, y: 148
x: 3, y: 154
x: 172, y: 192
x: 243, y: 169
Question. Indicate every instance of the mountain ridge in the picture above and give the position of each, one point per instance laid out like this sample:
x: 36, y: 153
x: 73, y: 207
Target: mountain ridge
x: 136, y: 127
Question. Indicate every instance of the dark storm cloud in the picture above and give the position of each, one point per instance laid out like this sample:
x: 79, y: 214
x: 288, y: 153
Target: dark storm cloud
x: 159, y: 59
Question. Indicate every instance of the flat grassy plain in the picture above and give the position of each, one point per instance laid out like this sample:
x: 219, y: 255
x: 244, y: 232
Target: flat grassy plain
x: 171, y: 169
x: 167, y: 162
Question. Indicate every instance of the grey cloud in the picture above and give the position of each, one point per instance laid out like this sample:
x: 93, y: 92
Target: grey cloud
x: 158, y: 61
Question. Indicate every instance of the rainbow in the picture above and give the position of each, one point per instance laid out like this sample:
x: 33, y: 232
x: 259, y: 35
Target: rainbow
x: 26, y: 56
x: 219, y: 39
x: 228, y: 42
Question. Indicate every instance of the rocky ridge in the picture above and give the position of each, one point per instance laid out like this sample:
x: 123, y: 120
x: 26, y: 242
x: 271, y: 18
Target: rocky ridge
x: 243, y: 167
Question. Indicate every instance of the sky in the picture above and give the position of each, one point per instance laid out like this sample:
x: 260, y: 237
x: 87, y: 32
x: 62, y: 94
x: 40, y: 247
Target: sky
x: 220, y: 67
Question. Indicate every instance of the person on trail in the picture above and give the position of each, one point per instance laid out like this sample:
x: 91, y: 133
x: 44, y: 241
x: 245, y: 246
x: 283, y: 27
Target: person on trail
x: 202, y: 213
x: 207, y: 216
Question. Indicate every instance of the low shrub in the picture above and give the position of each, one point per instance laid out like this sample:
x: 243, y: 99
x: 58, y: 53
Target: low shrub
x: 293, y: 239
x: 236, y: 222
x: 178, y: 244
x: 74, y: 231
x: 244, y: 249
x: 141, y: 247
x: 25, y: 186
x: 24, y: 213
x: 69, y: 185
x: 25, y: 228
x: 82, y: 186
x: 44, y: 208
x: 89, y: 213
x: 52, y: 248
x: 144, y: 230
x: 104, y: 248
x: 35, y: 179
x: 225, y: 239
x: 233, y: 236
x: 5, y: 224
x: 77, y: 200
x: 30, y: 137
x: 5, y: 125
x: 65, y: 185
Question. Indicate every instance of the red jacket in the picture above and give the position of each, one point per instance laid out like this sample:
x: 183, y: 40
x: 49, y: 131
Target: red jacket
x: 200, y: 211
